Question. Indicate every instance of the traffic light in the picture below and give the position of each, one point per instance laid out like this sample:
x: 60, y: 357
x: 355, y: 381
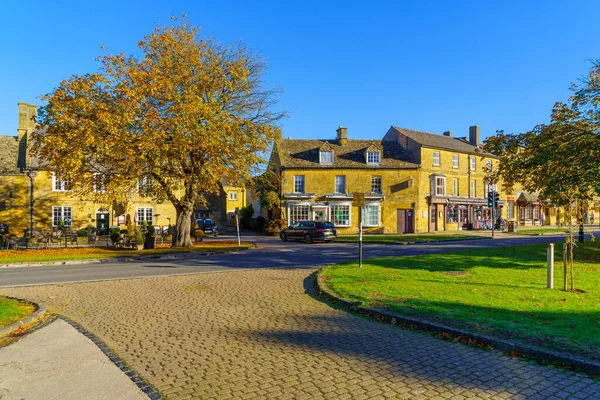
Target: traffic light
x: 496, y: 199
x: 491, y: 198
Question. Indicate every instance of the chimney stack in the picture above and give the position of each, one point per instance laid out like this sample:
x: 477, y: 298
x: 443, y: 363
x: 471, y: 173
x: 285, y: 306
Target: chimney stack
x: 342, y: 135
x: 474, y: 135
x: 448, y: 133
x: 26, y: 126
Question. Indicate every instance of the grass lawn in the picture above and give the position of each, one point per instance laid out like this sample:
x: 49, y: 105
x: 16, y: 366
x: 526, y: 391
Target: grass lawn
x: 13, y: 310
x: 82, y: 253
x: 404, y: 238
x: 499, y: 292
x: 541, y: 231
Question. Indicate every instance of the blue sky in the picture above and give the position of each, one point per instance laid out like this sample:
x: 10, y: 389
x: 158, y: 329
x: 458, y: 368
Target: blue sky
x: 427, y: 65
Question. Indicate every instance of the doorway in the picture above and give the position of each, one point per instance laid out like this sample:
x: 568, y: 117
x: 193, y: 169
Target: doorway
x: 405, y: 221
x: 433, y: 218
x: 319, y: 215
x: 102, y: 223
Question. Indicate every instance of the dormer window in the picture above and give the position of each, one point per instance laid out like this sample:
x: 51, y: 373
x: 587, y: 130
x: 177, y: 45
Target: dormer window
x: 326, y: 157
x: 373, y: 157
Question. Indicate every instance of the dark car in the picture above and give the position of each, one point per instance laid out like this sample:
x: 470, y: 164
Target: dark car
x: 309, y: 231
x: 208, y: 226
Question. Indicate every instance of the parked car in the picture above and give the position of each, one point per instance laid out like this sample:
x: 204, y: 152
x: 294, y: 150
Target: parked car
x: 208, y: 226
x: 309, y: 231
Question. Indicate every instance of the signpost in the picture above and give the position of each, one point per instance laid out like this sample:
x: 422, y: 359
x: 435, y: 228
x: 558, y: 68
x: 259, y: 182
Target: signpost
x: 359, y: 201
x: 237, y: 224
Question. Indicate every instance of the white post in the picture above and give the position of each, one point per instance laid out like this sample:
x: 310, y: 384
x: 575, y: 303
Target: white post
x: 237, y: 224
x: 550, y: 257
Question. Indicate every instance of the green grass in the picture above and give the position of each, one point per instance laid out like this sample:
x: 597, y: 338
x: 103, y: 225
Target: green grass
x: 499, y: 292
x: 85, y: 253
x: 541, y: 231
x: 404, y: 238
x: 13, y: 310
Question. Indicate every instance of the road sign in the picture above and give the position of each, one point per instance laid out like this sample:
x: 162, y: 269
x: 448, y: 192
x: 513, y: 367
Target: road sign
x: 358, y: 199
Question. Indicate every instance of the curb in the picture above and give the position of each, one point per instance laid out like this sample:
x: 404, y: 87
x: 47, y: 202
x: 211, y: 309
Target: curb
x: 539, y: 355
x: 40, y: 309
x: 141, y: 383
x: 172, y: 256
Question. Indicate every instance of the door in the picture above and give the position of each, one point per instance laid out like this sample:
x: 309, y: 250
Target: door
x: 404, y: 222
x: 432, y: 218
x: 463, y: 217
x: 319, y: 215
x: 102, y: 223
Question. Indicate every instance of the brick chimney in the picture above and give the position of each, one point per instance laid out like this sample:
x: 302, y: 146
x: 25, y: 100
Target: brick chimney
x: 474, y: 135
x: 448, y: 133
x: 342, y: 135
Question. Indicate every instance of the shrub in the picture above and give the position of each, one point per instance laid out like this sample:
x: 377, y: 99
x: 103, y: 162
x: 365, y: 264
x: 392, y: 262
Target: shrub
x: 124, y: 231
x: 199, y: 233
x: 274, y: 227
x: 139, y: 239
x: 82, y: 232
x: 150, y: 232
x: 260, y: 223
x: 115, y: 236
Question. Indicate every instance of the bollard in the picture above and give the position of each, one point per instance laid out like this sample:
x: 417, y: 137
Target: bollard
x: 581, y: 233
x: 550, y: 257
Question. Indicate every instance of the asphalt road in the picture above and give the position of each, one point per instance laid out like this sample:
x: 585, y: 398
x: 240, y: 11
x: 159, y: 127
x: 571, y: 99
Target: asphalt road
x: 271, y: 254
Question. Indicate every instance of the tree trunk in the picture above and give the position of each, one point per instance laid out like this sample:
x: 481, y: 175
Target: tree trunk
x: 183, y: 226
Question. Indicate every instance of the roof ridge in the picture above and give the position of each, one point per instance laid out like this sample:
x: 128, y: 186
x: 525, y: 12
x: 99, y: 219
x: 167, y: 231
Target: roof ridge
x: 418, y: 131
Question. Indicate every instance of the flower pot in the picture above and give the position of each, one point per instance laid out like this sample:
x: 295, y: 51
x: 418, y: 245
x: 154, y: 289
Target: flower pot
x: 139, y: 247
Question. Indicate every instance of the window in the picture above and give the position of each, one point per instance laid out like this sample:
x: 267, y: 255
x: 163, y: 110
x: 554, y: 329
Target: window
x: 486, y: 188
x: 145, y: 185
x: 455, y: 161
x: 454, y: 186
x: 536, y: 212
x: 376, y: 184
x: 451, y: 214
x: 440, y: 186
x: 326, y: 157
x: 341, y: 215
x: 299, y: 184
x: 528, y: 211
x: 100, y: 182
x: 472, y: 188
x: 510, y: 209
x: 233, y: 196
x: 62, y: 214
x: 488, y: 165
x: 436, y: 158
x: 472, y: 162
x: 340, y: 184
x: 60, y: 184
x: 373, y: 157
x: 144, y: 214
x: 298, y: 213
x: 371, y: 214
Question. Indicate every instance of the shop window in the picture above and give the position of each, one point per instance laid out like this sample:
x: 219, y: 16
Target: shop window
x: 371, y: 214
x: 341, y: 215
x: 63, y: 214
x: 298, y: 213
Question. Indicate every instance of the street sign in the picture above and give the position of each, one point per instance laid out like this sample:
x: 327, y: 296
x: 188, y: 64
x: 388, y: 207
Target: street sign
x: 358, y: 199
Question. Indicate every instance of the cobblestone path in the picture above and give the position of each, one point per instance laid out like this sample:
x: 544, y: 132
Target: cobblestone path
x: 258, y: 334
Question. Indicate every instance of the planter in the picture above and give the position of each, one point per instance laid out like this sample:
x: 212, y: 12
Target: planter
x: 149, y: 244
x: 139, y: 247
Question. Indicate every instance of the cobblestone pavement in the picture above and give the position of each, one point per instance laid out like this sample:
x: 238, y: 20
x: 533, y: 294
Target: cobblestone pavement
x: 259, y: 334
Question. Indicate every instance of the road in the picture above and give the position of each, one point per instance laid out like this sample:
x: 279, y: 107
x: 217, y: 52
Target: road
x: 271, y: 254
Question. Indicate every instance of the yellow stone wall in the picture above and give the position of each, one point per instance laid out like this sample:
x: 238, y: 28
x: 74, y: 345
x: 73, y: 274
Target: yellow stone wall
x: 399, y: 189
x: 14, y: 202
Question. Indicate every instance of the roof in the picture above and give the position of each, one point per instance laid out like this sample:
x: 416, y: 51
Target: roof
x: 305, y: 153
x: 9, y: 154
x: 528, y: 197
x: 442, y: 142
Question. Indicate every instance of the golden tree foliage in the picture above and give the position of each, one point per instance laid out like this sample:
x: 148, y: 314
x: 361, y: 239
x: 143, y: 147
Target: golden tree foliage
x: 183, y: 116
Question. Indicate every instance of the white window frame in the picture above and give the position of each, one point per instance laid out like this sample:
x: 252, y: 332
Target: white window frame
x: 455, y: 162
x: 440, y: 183
x: 488, y: 165
x: 61, y: 185
x: 296, y: 212
x: 326, y: 157
x: 510, y: 209
x: 455, y: 189
x: 233, y: 195
x: 367, y: 222
x: 333, y: 205
x: 472, y: 188
x: 376, y: 186
x: 338, y: 180
x: 373, y: 157
x: 143, y: 184
x: 144, y: 214
x: 299, y: 184
x: 61, y: 212
x: 436, y: 158
x: 99, y: 183
x: 472, y: 163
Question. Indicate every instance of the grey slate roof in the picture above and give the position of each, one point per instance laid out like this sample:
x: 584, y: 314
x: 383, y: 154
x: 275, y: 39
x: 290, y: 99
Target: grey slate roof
x: 305, y: 153
x: 9, y: 153
x: 433, y: 140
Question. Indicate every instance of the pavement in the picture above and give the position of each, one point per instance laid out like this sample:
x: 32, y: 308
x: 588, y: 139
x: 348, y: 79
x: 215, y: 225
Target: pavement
x: 57, y: 362
x: 262, y: 334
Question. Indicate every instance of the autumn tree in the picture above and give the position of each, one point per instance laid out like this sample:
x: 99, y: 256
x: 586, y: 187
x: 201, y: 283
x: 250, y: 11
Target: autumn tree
x: 180, y: 117
x: 267, y: 187
x: 559, y: 160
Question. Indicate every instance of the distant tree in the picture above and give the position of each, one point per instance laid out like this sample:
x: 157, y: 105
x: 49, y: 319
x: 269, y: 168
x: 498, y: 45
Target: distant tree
x: 559, y: 160
x: 267, y: 187
x: 178, y: 118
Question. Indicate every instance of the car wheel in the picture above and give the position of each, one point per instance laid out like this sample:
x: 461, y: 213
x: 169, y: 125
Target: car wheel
x: 283, y: 237
x: 308, y: 238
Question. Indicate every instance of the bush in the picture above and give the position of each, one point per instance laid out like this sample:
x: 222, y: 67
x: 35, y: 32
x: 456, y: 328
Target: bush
x: 82, y: 233
x: 150, y: 232
x: 199, y: 233
x: 274, y: 227
x: 124, y: 231
x: 260, y: 223
x: 139, y: 239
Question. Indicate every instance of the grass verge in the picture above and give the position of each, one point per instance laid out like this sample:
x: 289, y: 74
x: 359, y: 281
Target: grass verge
x: 84, y: 253
x: 542, y: 231
x: 12, y: 310
x: 498, y: 292
x: 404, y: 238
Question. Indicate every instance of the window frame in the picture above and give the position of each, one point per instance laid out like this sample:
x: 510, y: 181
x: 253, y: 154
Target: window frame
x: 326, y: 162
x: 348, y: 206
x: 336, y: 184
x: 366, y: 221
x: 373, y: 157
x: 472, y: 188
x: 144, y: 215
x: 472, y: 164
x: 67, y: 221
x: 61, y: 185
x: 439, y: 158
x: 233, y: 195
x: 510, y: 209
x: 455, y: 187
x: 455, y: 161
x: 375, y: 184
x: 292, y: 213
x: 297, y: 179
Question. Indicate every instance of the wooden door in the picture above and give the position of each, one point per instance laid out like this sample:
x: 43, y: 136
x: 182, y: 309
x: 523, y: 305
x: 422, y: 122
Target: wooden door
x: 405, y: 221
x: 432, y: 218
